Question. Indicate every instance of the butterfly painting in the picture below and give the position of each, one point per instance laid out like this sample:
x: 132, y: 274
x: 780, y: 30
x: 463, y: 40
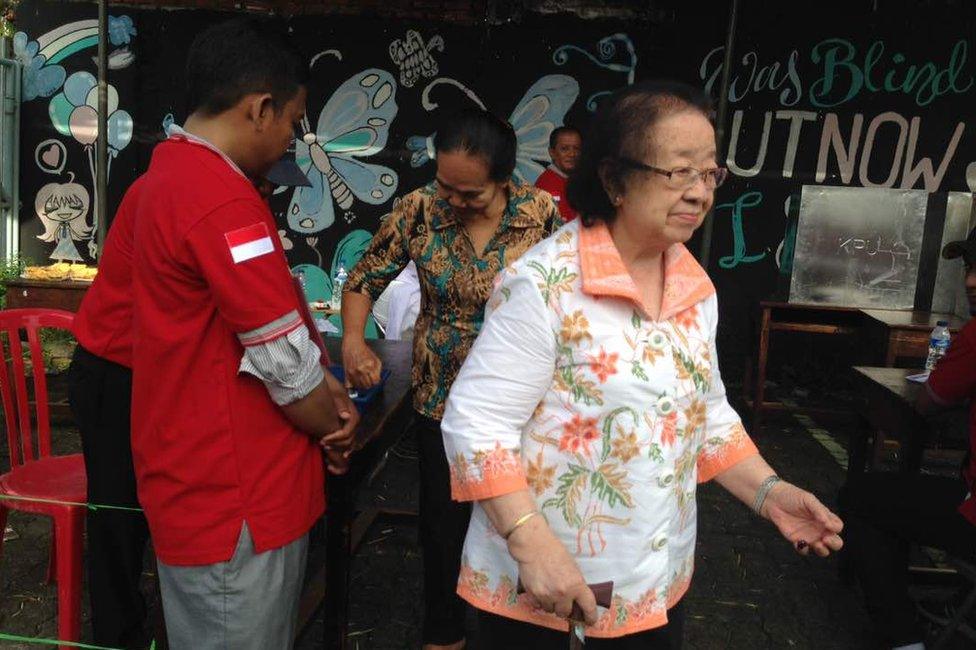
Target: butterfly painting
x: 354, y: 124
x: 541, y: 109
x: 318, y: 284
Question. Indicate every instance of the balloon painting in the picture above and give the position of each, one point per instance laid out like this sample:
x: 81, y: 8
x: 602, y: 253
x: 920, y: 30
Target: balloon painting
x: 74, y: 112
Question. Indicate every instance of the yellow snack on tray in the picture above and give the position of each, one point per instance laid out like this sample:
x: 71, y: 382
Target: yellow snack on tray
x: 61, y: 271
x: 40, y: 273
x: 83, y: 273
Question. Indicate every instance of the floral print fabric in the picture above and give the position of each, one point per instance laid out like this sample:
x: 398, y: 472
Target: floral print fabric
x: 455, y: 281
x: 608, y: 417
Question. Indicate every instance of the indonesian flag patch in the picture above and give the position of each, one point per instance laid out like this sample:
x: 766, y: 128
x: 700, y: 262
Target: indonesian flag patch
x: 249, y: 242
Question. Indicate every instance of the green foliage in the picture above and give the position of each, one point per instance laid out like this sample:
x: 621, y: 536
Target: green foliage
x: 57, y: 346
x: 10, y: 269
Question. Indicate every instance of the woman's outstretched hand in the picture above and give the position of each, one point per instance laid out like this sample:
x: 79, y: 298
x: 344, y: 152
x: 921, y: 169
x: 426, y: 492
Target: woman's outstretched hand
x: 803, y: 520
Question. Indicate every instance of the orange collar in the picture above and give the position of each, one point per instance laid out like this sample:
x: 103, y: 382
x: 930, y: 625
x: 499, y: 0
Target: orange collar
x: 604, y: 273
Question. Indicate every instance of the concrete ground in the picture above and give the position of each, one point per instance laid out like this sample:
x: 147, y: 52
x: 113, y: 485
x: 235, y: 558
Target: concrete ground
x: 750, y: 589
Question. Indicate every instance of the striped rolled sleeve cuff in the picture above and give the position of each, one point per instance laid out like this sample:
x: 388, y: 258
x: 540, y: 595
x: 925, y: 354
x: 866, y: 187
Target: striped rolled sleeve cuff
x: 273, y: 330
x: 283, y: 356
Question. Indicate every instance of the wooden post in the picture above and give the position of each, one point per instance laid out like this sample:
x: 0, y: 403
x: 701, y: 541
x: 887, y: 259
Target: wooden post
x: 101, y: 145
x: 720, y: 119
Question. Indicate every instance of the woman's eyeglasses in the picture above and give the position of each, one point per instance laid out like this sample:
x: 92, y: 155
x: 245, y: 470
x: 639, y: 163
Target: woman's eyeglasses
x: 681, y: 178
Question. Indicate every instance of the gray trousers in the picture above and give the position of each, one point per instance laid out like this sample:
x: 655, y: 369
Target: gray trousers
x: 247, y: 603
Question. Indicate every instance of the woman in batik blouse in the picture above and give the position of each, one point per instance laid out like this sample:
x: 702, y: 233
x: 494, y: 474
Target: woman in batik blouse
x: 460, y: 231
x: 591, y: 404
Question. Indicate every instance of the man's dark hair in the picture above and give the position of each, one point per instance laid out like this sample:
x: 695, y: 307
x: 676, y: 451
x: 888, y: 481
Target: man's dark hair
x: 558, y: 131
x: 232, y: 59
x: 966, y: 249
x: 620, y: 129
x: 479, y: 133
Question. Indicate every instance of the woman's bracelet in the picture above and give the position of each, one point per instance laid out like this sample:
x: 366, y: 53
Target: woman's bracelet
x: 519, y: 522
x: 763, y: 492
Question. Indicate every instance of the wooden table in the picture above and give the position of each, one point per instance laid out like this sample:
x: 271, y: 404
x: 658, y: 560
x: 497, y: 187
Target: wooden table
x: 888, y: 410
x: 787, y: 317
x: 905, y: 334
x: 900, y: 334
x: 53, y: 294
x: 888, y: 402
x: 379, y: 429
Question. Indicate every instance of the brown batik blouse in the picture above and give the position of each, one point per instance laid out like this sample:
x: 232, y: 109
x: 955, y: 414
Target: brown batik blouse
x: 455, y: 281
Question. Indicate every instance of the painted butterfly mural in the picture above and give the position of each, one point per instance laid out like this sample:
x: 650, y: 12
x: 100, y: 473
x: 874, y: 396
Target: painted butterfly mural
x: 318, y: 283
x: 354, y: 124
x: 541, y: 109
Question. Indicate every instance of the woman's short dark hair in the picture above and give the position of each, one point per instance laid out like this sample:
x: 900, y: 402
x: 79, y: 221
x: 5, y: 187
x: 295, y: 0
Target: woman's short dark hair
x: 234, y: 58
x: 619, y: 129
x: 479, y: 133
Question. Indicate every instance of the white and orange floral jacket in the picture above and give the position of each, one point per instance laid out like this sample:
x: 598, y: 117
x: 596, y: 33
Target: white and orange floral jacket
x: 610, y: 418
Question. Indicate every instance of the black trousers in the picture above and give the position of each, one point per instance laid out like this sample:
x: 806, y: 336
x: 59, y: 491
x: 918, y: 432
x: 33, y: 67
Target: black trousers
x: 884, y: 513
x: 100, y: 394
x: 497, y: 633
x: 443, y: 525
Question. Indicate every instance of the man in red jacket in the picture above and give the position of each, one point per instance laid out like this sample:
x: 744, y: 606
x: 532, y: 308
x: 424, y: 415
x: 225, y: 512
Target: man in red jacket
x: 564, y: 149
x: 229, y: 401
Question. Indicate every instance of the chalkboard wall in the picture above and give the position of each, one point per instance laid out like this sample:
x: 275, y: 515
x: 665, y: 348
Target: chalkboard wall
x: 856, y: 94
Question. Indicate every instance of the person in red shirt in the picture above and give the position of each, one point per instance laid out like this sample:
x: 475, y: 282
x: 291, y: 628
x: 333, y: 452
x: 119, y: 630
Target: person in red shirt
x: 887, y: 512
x: 229, y: 400
x: 100, y: 395
x: 565, y: 143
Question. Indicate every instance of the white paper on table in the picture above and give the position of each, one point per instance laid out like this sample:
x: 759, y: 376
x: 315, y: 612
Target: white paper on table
x: 325, y: 326
x: 920, y: 378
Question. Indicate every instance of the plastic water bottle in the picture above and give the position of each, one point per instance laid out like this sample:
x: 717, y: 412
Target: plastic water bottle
x: 938, y: 344
x: 337, y: 282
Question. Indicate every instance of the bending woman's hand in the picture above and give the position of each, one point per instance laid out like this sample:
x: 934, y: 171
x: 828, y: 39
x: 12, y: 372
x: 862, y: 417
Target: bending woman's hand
x: 803, y: 520
x: 360, y: 363
x: 549, y: 573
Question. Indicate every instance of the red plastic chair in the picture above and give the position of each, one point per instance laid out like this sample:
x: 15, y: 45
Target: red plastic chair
x: 34, y: 472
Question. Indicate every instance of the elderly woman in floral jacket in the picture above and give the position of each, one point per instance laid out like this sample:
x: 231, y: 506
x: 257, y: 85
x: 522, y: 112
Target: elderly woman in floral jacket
x: 591, y: 404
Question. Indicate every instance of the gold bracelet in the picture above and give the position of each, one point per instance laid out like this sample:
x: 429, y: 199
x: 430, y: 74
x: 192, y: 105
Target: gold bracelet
x: 518, y: 523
